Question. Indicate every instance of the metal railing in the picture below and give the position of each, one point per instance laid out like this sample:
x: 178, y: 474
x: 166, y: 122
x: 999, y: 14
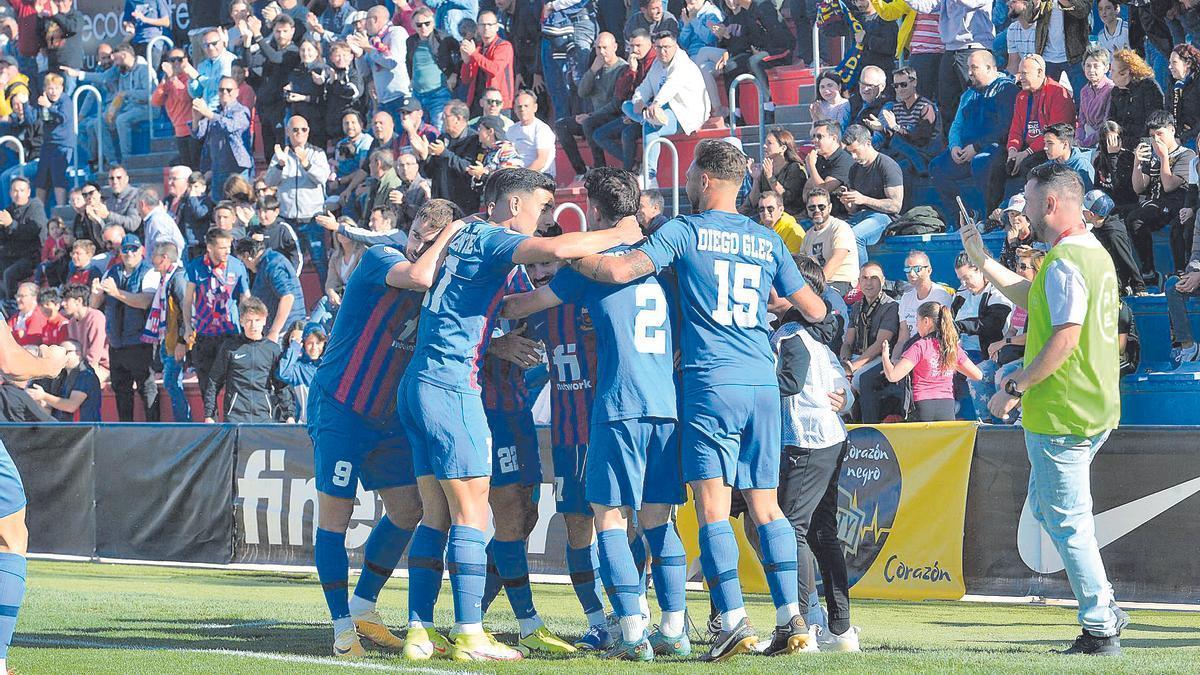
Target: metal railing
x: 16, y: 143
x: 89, y: 89
x: 150, y: 69
x: 572, y: 206
x: 762, y: 100
x: 674, y: 166
x: 816, y: 40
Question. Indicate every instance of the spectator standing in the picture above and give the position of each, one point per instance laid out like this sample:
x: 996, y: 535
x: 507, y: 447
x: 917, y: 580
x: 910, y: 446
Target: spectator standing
x: 86, y: 326
x: 920, y: 36
x: 921, y: 288
x: 172, y: 94
x: 305, y: 91
x: 73, y: 396
x: 782, y: 172
x: 215, y: 283
x: 28, y: 37
x: 932, y: 359
x: 119, y: 207
x: 1005, y: 356
x: 451, y: 155
x: 966, y: 27
x: 909, y: 126
x: 382, y: 182
x: 126, y: 292
x: 28, y: 324
x: 298, y: 364
x: 1094, y: 98
x: 276, y: 232
x: 164, y: 325
x: 1161, y: 171
x: 20, y: 236
x: 345, y: 90
x: 772, y: 216
x: 532, y: 138
x: 157, y: 225
x: 61, y: 26
x: 487, y: 62
x: 222, y: 132
x: 276, y: 284
x: 1063, y: 29
x: 246, y: 367
x: 347, y: 253
x: 332, y: 24
x: 875, y: 191
x: 880, y: 39
x: 604, y: 86
x: 1021, y: 34
x: 568, y: 36
x: 665, y: 102
x: 412, y: 192
x: 383, y: 53
x: 1178, y: 290
x: 831, y: 242
x: 58, y: 138
x: 448, y: 14
x: 433, y: 62
x: 499, y: 152
x: 828, y: 164
x: 652, y: 17
x: 103, y: 76
x: 281, y: 56
x: 755, y: 39
x: 1136, y: 94
x: 620, y: 136
x: 217, y: 65
x: 1183, y: 101
x: 874, y: 320
x: 300, y: 171
x: 1114, y: 31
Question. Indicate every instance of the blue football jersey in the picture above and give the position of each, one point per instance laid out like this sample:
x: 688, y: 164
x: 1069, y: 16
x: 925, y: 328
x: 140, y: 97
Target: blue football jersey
x: 725, y: 266
x: 503, y: 382
x: 570, y: 340
x: 635, y: 363
x: 460, y: 310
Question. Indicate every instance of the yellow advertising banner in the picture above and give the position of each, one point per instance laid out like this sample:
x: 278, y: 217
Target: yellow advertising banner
x: 901, y: 511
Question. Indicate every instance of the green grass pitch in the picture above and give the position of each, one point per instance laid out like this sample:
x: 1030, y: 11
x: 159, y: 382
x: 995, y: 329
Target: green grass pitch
x: 89, y: 618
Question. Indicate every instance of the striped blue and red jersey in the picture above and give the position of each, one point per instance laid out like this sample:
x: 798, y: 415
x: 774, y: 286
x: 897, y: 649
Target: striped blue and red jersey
x: 570, y: 341
x: 372, y: 339
x: 503, y: 381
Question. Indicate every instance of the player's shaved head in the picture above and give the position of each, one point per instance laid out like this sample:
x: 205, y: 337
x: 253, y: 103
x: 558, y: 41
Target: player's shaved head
x: 613, y: 193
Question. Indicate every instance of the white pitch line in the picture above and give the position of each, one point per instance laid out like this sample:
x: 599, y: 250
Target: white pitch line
x: 266, y: 656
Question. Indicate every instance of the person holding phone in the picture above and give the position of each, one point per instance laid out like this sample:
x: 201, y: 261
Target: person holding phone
x: 1161, y: 171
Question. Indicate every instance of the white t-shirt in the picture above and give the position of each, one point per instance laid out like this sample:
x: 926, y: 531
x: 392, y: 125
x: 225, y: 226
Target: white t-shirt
x: 1066, y: 292
x: 1021, y: 40
x: 528, y: 139
x: 1118, y: 40
x: 1056, y: 45
x: 821, y: 244
x: 910, y: 303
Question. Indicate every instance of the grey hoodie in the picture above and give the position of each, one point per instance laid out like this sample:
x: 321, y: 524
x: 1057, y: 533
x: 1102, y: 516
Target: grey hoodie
x: 967, y: 24
x: 301, y: 191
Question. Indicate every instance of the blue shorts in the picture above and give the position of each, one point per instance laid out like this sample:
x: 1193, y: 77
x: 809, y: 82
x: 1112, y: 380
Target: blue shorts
x: 732, y: 432
x: 570, y: 462
x: 633, y: 461
x: 12, y: 492
x: 448, y: 431
x: 515, y: 458
x: 349, y: 448
x: 52, y: 169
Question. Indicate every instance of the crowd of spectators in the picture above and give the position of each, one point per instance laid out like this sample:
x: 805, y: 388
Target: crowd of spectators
x: 306, y: 130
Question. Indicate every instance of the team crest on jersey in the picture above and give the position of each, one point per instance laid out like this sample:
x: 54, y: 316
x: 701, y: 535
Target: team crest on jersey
x: 391, y: 251
x: 585, y: 320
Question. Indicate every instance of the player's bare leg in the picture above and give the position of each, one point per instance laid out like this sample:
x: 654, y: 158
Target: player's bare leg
x: 14, y: 542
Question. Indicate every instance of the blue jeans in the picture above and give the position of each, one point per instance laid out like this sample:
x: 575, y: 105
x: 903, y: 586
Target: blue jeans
x: 868, y: 229
x: 433, y: 102
x: 619, y: 139
x: 312, y: 243
x: 1181, y: 324
x: 1060, y: 498
x: 949, y: 174
x: 128, y: 121
x: 561, y: 73
x: 650, y: 132
x: 911, y: 158
x: 173, y: 383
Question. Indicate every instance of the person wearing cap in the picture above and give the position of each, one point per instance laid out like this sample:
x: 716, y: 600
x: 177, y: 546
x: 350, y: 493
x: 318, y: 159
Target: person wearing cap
x: 433, y: 61
x: 1107, y: 224
x: 1060, y: 147
x: 415, y: 132
x: 500, y: 152
x: 1017, y: 232
x: 125, y: 293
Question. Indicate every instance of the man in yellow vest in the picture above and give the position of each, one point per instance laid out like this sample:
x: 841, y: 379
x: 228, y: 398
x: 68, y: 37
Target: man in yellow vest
x: 1069, y: 387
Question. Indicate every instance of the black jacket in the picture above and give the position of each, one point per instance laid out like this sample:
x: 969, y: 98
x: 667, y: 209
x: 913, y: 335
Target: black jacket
x: 1184, y: 105
x: 253, y: 393
x: 759, y: 26
x: 17, y: 406
x: 344, y: 92
x: 988, y: 326
x: 23, y: 239
x: 448, y: 171
x: 1130, y: 108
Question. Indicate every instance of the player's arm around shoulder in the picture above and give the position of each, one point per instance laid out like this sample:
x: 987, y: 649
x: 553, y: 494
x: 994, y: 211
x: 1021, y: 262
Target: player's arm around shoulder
x: 420, y: 275
x: 521, y: 305
x: 17, y: 363
x: 575, y: 245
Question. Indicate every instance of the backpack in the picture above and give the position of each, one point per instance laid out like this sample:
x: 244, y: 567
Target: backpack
x: 918, y: 220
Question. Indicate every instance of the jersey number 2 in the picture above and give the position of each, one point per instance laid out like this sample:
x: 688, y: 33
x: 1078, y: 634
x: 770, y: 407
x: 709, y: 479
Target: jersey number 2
x: 742, y: 283
x: 649, y: 334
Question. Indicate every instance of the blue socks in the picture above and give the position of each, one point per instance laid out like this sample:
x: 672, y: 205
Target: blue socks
x: 513, y: 568
x: 491, y: 587
x: 467, y: 561
x: 333, y: 569
x: 719, y: 560
x: 669, y: 567
x: 12, y: 592
x: 425, y: 573
x: 582, y: 565
x: 638, y: 548
x: 778, y: 542
x: 382, y: 551
x: 619, y: 572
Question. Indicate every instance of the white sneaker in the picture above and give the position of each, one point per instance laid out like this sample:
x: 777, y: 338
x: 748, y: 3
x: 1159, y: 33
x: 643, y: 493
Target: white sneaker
x: 1189, y: 354
x: 828, y: 641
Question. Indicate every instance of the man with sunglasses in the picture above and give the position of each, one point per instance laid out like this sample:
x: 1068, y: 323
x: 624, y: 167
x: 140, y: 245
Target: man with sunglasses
x: 125, y: 294
x: 217, y: 63
x: 831, y: 241
x: 487, y: 62
x: 921, y: 289
x: 433, y: 62
x: 300, y: 171
x: 172, y: 93
x: 909, y: 129
x: 222, y: 131
x: 492, y: 103
x: 772, y: 216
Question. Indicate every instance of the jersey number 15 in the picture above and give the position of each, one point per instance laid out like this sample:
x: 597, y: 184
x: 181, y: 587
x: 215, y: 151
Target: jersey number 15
x: 742, y: 283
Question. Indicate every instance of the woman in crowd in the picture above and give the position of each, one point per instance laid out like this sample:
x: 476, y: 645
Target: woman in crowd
x: 932, y: 360
x: 830, y: 103
x: 1094, y: 98
x: 1113, y: 164
x: 305, y: 91
x: 1135, y: 96
x: 1183, y: 101
x: 782, y: 172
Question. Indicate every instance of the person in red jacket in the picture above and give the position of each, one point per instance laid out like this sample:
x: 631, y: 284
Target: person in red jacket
x: 172, y: 93
x: 487, y: 62
x: 28, y: 323
x: 1040, y: 103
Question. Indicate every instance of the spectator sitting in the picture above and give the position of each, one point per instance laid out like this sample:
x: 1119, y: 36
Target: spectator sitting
x: 1178, y: 290
x: 276, y: 284
x: 1107, y: 223
x: 52, y: 270
x: 909, y: 127
x: 830, y: 104
x: 782, y: 172
x: 831, y: 242
x: 980, y: 311
x: 131, y: 105
x: 1017, y: 231
x: 929, y: 361
x: 346, y: 255
x: 20, y: 236
x: 1136, y: 95
x: 1005, y: 355
x: 1059, y: 142
x: 299, y: 361
x: 205, y: 78
x: 276, y: 232
x: 755, y: 38
x: 120, y: 205
x: 1112, y: 165
x: 487, y: 62
x: 28, y: 324
x: 164, y: 325
x: 1094, y: 98
x: 73, y: 396
x: 215, y: 283
x: 1062, y: 29
x: 86, y: 326
x: 697, y: 38
x: 83, y: 268
x: 1041, y: 103
x: 434, y: 63
x: 532, y: 138
x: 157, y: 225
x: 451, y: 155
x: 1183, y: 101
x: 246, y: 368
x: 411, y: 192
x: 1161, y: 171
x: 492, y: 103
x: 304, y: 169
x: 499, y: 152
x: 828, y: 164
x: 126, y: 292
x: 650, y: 215
x: 58, y: 139
x: 874, y: 319
x: 49, y: 303
x: 870, y: 98
x: 620, y: 136
x: 664, y: 103
x: 979, y: 130
x: 772, y: 216
x: 172, y: 94
x: 875, y: 192
x: 112, y: 236
x: 653, y: 18
x: 82, y: 227
x: 222, y: 132
x: 877, y: 45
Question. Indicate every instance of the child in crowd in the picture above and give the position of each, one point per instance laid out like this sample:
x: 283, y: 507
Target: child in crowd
x: 830, y: 104
x: 83, y: 269
x: 49, y: 303
x: 246, y: 367
x: 933, y: 359
x: 52, y: 271
x: 298, y: 366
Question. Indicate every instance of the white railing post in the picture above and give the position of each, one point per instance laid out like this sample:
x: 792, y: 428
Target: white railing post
x: 762, y: 100
x: 170, y: 44
x: 89, y: 89
x: 16, y: 143
x: 572, y: 206
x: 674, y: 169
x: 816, y: 40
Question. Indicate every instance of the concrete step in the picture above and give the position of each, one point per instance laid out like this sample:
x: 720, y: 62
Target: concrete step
x: 150, y: 160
